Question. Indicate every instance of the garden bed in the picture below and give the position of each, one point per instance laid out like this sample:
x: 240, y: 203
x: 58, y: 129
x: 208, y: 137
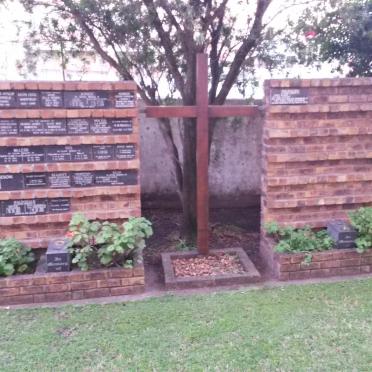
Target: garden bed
x: 42, y: 287
x: 335, y: 262
x: 230, y: 266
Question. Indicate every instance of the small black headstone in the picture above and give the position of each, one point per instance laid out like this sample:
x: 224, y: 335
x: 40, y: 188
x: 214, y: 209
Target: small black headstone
x: 342, y: 233
x: 57, y: 256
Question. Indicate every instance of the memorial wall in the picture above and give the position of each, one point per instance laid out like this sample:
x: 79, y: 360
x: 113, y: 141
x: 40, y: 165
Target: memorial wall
x: 66, y: 147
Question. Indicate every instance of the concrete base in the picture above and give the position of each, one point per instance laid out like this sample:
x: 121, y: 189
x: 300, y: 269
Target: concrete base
x: 250, y: 275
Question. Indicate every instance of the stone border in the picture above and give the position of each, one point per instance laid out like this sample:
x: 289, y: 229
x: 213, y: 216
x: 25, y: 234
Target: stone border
x: 336, y: 262
x: 172, y: 282
x: 74, y: 285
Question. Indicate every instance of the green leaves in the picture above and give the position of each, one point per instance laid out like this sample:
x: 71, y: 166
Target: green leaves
x: 14, y: 257
x: 106, y: 243
x: 362, y: 222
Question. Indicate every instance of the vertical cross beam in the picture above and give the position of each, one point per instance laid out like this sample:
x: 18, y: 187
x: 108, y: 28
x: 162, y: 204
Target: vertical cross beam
x: 202, y: 156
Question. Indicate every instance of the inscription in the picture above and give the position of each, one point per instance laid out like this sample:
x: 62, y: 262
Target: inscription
x: 100, y: 126
x: 42, y: 127
x: 82, y: 179
x: 68, y: 153
x: 51, y: 99
x: 121, y: 126
x: 103, y: 152
x: 58, y: 205
x: 78, y: 126
x: 125, y: 152
x: 124, y: 99
x: 35, y: 180
x: 11, y: 182
x: 22, y: 155
x: 26, y: 99
x: 8, y: 127
x: 116, y: 178
x: 98, y: 99
x: 8, y: 99
x: 289, y: 96
x: 24, y: 207
x: 59, y: 180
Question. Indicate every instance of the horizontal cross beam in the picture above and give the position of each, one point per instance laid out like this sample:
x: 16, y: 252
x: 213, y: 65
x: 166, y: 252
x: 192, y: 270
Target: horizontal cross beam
x: 214, y: 111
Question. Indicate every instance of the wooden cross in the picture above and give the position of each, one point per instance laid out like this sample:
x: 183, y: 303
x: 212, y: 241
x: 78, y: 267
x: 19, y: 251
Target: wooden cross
x: 202, y: 111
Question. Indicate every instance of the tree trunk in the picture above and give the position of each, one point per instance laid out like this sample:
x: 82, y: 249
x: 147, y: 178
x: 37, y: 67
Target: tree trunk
x: 189, y: 181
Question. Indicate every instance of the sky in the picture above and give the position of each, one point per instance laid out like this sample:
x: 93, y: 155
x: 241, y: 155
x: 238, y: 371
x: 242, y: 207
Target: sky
x: 12, y: 51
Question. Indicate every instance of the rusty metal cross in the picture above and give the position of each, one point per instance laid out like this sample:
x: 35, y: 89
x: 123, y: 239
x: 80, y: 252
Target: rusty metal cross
x: 202, y: 111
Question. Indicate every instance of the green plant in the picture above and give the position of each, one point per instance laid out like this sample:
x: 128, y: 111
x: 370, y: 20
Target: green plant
x: 303, y: 240
x: 14, y: 257
x: 107, y: 243
x: 182, y: 246
x: 361, y: 220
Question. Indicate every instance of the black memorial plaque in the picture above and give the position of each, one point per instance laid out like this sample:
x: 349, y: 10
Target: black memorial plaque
x: 42, y: 127
x: 82, y: 179
x: 8, y: 99
x: 58, y: 205
x: 100, y: 126
x: 58, y: 257
x: 11, y: 182
x: 8, y: 127
x: 78, y: 126
x: 121, y: 126
x: 116, y: 178
x: 24, y: 207
x: 22, y: 155
x: 86, y: 99
x: 126, y: 152
x: 51, y: 99
x: 28, y: 99
x: 55, y: 154
x: 289, y: 96
x: 59, y: 180
x: 35, y: 180
x: 103, y: 152
x: 124, y: 99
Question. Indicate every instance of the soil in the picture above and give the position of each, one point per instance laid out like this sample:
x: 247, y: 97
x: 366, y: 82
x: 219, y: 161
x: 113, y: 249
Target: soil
x: 218, y: 264
x: 230, y: 228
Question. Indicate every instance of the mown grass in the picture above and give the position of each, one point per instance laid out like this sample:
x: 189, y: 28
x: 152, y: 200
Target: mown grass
x: 325, y: 327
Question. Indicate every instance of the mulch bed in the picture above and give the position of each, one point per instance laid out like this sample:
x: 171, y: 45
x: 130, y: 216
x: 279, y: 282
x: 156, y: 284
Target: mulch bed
x: 218, y: 264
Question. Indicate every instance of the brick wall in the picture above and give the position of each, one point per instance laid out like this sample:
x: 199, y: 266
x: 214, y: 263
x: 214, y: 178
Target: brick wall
x: 317, y: 155
x: 114, y: 202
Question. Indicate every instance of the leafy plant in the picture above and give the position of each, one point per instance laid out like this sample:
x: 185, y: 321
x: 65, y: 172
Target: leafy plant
x: 361, y: 220
x: 107, y: 243
x: 303, y: 240
x: 182, y: 246
x: 14, y: 257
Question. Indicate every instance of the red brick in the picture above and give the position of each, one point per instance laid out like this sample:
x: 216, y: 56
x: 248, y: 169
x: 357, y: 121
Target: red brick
x: 52, y: 297
x: 16, y: 300
x: 290, y: 267
x: 57, y: 288
x: 99, y: 292
x: 139, y: 280
x: 120, y: 273
x: 91, y: 284
x: 9, y: 291
x: 32, y: 289
x: 120, y: 291
x: 109, y: 283
x: 299, y: 275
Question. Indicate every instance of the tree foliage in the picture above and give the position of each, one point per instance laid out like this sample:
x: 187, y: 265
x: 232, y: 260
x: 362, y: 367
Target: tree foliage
x: 341, y: 33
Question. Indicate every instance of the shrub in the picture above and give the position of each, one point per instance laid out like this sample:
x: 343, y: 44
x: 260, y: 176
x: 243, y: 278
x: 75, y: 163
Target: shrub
x: 361, y: 220
x: 106, y: 243
x: 303, y: 240
x: 15, y: 258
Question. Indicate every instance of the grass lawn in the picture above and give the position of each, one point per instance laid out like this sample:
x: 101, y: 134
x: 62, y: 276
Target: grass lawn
x: 326, y: 327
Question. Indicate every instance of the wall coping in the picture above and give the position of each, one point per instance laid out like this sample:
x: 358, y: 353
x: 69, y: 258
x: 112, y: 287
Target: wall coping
x: 316, y: 83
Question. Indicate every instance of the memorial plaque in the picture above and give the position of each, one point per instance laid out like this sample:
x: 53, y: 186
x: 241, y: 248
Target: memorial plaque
x: 78, y: 126
x: 289, y: 96
x: 68, y: 153
x: 126, y: 152
x: 58, y: 257
x: 8, y: 99
x: 22, y: 155
x: 100, y: 126
x: 116, y: 178
x: 86, y: 99
x: 27, y: 99
x: 10, y: 182
x: 82, y: 179
x: 342, y: 233
x: 103, y: 152
x: 58, y: 205
x: 124, y: 99
x: 8, y: 127
x: 59, y: 180
x: 29, y: 207
x: 35, y: 180
x: 51, y: 99
x: 42, y: 127
x: 121, y: 126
